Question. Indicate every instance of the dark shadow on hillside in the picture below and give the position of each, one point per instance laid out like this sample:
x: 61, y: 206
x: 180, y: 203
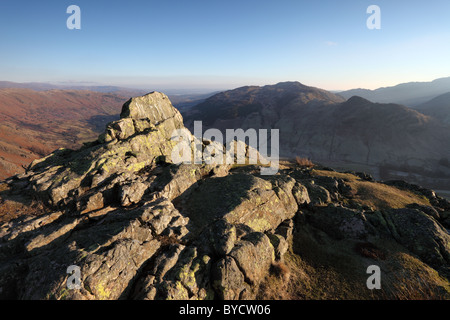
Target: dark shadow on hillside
x: 99, y: 122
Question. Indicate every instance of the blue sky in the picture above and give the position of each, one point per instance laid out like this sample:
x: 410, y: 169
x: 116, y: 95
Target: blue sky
x: 213, y: 44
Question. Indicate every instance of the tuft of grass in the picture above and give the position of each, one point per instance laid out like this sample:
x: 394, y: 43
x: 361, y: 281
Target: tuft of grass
x: 281, y: 270
x: 4, y: 187
x: 304, y: 162
x: 369, y: 250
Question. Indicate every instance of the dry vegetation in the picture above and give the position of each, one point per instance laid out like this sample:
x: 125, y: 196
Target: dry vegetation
x: 404, y: 278
x: 304, y: 162
x: 34, y: 123
x: 376, y: 195
x: 14, y: 206
x: 319, y: 267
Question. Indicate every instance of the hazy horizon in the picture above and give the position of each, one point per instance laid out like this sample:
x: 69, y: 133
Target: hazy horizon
x: 209, y: 46
x: 179, y: 90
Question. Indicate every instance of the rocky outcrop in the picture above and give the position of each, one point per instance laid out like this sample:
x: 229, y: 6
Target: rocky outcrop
x: 140, y: 227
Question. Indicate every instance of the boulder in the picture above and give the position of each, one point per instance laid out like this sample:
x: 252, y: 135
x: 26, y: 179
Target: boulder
x: 254, y: 255
x: 422, y: 234
x: 241, y: 199
x: 142, y: 135
x: 228, y: 280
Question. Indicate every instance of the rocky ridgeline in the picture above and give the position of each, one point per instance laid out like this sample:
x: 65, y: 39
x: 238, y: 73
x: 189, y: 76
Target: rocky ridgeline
x: 140, y: 227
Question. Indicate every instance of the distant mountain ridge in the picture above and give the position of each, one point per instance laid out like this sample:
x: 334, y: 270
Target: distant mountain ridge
x: 438, y: 108
x: 247, y: 102
x: 44, y: 86
x: 323, y: 126
x: 410, y: 94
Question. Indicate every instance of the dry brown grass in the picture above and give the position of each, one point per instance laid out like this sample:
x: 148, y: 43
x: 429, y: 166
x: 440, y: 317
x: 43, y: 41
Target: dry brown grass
x: 381, y: 196
x: 14, y: 206
x: 281, y: 270
x: 305, y: 282
x: 403, y: 278
x: 10, y: 210
x: 411, y: 279
x: 304, y: 162
x: 374, y: 194
x: 335, y: 174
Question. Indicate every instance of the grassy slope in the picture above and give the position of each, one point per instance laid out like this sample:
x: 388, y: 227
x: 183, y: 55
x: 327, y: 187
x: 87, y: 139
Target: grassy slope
x: 323, y: 268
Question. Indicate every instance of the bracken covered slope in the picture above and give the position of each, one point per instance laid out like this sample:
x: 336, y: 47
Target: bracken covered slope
x: 34, y: 123
x: 140, y: 227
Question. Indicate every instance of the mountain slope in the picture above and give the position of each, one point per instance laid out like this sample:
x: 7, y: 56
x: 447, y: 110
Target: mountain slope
x: 438, y: 108
x: 34, y: 123
x: 43, y: 86
x: 410, y: 94
x: 259, y: 106
x: 320, y: 125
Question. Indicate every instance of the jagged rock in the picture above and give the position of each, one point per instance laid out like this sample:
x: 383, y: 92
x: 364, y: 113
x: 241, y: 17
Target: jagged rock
x: 228, y: 280
x: 421, y: 234
x: 426, y: 209
x: 241, y: 198
x: 178, y: 179
x: 143, y: 134
x: 219, y: 238
x: 191, y: 274
x: 445, y: 215
x: 132, y: 193
x: 93, y: 202
x: 165, y: 219
x: 318, y: 195
x: 123, y: 260
x: 282, y: 238
x: 279, y: 244
x: 253, y: 254
x: 340, y: 222
x: 285, y: 229
x: 301, y: 195
x: 178, y: 273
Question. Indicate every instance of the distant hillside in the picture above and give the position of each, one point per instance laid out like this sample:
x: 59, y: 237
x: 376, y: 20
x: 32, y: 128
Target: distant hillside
x: 438, y: 108
x: 37, y: 118
x: 410, y: 94
x: 257, y: 106
x: 34, y: 123
x: 43, y: 86
x: 322, y: 126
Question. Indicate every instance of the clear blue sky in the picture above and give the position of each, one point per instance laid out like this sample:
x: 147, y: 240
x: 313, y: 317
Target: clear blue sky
x: 225, y: 44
